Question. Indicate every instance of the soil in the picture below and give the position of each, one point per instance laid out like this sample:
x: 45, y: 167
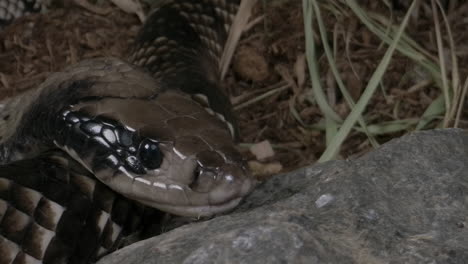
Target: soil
x: 269, y: 58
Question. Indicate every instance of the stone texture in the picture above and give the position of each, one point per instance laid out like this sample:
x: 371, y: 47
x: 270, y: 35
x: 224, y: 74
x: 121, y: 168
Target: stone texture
x: 406, y: 202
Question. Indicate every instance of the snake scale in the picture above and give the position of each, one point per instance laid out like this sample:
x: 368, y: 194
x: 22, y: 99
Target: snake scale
x: 88, y: 154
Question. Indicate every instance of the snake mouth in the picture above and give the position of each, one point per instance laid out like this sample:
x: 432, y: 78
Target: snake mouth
x: 213, y: 205
x: 186, y: 188
x: 199, y: 211
x: 210, y: 192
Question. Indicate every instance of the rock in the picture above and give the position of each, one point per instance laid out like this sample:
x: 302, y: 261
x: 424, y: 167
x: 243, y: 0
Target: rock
x: 406, y: 202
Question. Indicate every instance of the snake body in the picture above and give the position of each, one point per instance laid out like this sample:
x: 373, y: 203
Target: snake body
x: 10, y: 10
x: 155, y: 130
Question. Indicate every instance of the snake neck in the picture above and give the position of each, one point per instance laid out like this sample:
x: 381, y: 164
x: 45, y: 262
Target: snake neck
x: 181, y: 45
x: 28, y: 122
x: 12, y: 9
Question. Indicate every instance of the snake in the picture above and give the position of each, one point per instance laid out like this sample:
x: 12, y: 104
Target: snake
x: 101, y: 144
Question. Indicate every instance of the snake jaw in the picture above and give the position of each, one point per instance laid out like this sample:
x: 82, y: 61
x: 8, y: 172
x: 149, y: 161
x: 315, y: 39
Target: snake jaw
x: 225, y: 196
x: 191, y: 189
x: 184, y: 185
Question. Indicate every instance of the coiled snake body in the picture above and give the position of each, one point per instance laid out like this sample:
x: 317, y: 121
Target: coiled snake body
x: 156, y: 130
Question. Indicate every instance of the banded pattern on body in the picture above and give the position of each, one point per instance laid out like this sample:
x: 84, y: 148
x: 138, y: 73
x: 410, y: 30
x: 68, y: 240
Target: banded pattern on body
x: 186, y: 38
x: 68, y: 213
x: 11, y: 9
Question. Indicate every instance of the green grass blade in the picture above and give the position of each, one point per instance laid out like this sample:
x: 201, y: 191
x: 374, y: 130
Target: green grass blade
x: 433, y: 111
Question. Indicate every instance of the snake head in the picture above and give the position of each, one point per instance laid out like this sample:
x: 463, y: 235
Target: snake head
x: 166, y: 152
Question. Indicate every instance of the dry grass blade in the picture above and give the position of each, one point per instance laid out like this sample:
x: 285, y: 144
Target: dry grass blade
x: 316, y: 95
x: 374, y: 81
x: 407, y: 46
x: 460, y: 106
x: 378, y: 25
x: 262, y: 96
x: 238, y: 25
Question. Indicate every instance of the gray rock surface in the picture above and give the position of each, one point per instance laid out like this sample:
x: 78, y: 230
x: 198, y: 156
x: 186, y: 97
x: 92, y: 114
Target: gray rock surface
x: 406, y: 202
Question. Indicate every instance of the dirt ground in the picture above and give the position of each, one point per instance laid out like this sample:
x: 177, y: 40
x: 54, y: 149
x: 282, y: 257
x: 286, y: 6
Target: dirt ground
x: 269, y: 60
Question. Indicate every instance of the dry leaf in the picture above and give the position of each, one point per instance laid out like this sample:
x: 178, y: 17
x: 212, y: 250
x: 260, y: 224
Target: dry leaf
x: 300, y: 70
x: 131, y: 7
x: 92, y: 8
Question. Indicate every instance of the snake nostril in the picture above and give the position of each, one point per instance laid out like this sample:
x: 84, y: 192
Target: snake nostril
x: 203, y: 180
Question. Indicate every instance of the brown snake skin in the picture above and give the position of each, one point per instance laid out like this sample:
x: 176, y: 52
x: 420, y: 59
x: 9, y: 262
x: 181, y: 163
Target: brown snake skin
x: 154, y: 132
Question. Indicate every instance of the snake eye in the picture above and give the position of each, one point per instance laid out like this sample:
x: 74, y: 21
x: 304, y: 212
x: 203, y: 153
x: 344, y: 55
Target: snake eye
x: 150, y: 154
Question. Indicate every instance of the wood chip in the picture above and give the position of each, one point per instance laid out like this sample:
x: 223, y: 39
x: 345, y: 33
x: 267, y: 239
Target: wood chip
x: 263, y: 170
x: 262, y: 150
